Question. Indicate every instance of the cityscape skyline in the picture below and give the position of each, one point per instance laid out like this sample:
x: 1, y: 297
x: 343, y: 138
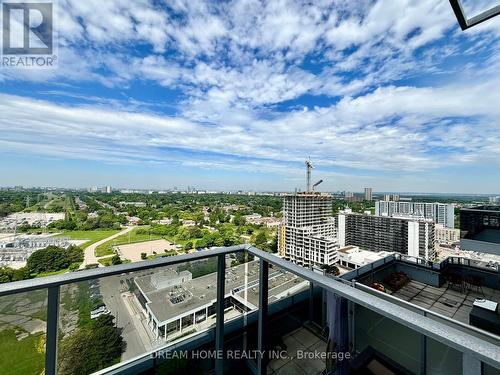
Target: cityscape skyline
x: 236, y: 95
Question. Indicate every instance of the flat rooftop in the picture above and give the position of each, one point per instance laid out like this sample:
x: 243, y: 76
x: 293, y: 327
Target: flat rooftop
x: 487, y: 235
x: 241, y: 280
x: 482, y: 208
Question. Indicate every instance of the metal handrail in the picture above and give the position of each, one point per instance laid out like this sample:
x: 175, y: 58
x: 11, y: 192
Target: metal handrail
x: 479, y: 349
x: 424, y: 311
x: 450, y: 336
x: 16, y: 287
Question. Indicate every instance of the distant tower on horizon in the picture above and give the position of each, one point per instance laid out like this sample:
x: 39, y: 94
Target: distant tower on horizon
x: 368, y: 194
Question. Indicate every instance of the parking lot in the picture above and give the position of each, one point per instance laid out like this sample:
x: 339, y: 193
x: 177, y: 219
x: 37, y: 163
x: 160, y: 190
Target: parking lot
x: 133, y: 251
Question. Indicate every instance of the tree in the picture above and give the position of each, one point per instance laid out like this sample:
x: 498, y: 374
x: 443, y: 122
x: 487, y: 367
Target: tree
x: 239, y: 220
x: 14, y: 274
x: 274, y: 244
x: 91, y: 348
x: 260, y: 239
x: 116, y: 260
x: 53, y: 258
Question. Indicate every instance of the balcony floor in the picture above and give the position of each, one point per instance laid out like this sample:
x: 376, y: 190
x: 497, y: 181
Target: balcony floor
x: 445, y: 300
x: 301, y: 339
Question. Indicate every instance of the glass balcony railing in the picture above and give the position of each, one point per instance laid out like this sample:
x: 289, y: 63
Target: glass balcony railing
x: 225, y: 310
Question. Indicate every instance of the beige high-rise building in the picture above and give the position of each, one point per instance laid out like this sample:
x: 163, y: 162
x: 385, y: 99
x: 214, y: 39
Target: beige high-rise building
x: 307, y: 235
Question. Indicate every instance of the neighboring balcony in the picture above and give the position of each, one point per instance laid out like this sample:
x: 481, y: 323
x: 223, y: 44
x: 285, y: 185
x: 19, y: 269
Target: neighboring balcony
x: 217, y: 311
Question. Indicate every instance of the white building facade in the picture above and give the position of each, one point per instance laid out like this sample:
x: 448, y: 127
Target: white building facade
x: 440, y: 213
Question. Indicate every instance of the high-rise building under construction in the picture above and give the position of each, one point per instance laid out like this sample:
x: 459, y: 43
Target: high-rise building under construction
x: 307, y: 235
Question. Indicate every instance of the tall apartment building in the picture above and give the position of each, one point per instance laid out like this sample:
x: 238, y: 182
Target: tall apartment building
x: 440, y: 213
x: 382, y: 233
x: 307, y: 235
x: 368, y: 194
x: 391, y: 197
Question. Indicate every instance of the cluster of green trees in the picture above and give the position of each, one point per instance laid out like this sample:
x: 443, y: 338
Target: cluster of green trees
x: 8, y: 274
x: 93, y: 347
x: 54, y: 258
x: 361, y: 206
x: 50, y: 259
x: 189, y: 206
x: 80, y: 221
x: 194, y: 236
x: 15, y: 201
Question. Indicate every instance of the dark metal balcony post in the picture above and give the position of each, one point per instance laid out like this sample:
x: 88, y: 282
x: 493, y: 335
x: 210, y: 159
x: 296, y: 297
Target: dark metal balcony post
x: 311, y: 301
x: 423, y: 351
x: 262, y: 329
x: 351, y: 322
x: 219, y: 324
x: 52, y: 321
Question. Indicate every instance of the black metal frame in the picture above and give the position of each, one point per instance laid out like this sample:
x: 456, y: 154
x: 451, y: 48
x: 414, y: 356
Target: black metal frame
x: 466, y: 23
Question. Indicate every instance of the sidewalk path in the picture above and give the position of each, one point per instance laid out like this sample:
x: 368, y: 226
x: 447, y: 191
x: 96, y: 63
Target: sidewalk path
x: 90, y: 258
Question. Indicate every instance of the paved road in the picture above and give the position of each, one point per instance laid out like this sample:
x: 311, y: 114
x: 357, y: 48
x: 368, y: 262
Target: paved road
x: 90, y: 258
x: 137, y: 341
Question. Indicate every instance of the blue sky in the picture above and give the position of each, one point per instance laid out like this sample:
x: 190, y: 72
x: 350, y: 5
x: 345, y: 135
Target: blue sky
x: 236, y: 94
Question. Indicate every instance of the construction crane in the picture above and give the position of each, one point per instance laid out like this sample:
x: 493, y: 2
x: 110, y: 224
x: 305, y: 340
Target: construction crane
x: 309, y: 167
x: 316, y: 184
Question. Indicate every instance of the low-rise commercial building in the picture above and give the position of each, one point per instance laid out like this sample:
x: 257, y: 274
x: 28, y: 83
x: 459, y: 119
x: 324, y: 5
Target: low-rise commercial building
x: 177, y: 304
x: 353, y: 257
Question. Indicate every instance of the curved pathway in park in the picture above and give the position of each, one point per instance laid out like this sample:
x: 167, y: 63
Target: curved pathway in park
x: 90, y: 258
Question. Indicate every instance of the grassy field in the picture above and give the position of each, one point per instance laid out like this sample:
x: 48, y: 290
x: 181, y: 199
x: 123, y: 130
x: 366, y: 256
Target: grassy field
x: 130, y: 237
x: 92, y: 236
x: 21, y: 357
x: 107, y: 261
x: 165, y: 254
x: 43, y: 274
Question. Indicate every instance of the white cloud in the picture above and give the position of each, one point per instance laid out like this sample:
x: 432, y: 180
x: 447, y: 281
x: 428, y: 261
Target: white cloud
x: 391, y: 129
x: 236, y: 62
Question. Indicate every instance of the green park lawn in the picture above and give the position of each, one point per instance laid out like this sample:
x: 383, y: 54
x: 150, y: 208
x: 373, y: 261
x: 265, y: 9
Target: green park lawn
x: 43, y: 274
x: 92, y: 236
x: 130, y: 237
x: 106, y: 262
x: 21, y: 357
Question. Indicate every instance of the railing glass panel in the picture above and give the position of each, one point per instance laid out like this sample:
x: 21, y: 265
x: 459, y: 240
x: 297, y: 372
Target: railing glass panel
x: 23, y: 326
x: 490, y: 370
x: 441, y: 359
x: 117, y: 318
x: 383, y: 338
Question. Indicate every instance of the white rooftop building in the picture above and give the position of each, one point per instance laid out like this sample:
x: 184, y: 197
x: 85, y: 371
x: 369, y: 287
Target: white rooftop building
x: 353, y: 257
